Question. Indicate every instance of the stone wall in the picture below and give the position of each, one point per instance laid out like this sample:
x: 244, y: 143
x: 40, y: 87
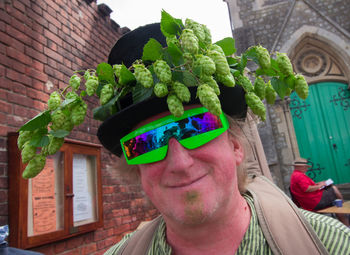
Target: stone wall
x: 42, y: 43
x: 288, y: 26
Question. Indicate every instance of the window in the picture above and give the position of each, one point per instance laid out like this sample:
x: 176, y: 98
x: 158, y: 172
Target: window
x: 64, y: 200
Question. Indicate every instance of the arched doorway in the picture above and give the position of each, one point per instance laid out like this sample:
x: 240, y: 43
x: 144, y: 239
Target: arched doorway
x: 322, y: 128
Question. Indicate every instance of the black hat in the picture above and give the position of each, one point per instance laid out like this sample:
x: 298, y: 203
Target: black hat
x: 130, y: 48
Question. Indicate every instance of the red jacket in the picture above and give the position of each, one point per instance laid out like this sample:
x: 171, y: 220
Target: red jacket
x: 299, y: 183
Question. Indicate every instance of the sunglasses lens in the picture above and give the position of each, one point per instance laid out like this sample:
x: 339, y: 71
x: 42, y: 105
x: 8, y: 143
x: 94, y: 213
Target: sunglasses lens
x: 146, y: 147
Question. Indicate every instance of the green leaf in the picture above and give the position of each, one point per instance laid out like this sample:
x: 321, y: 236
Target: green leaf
x: 39, y: 138
x: 104, y: 111
x: 189, y: 79
x: 141, y: 93
x: 251, y: 54
x: 169, y: 25
x: 232, y: 61
x: 242, y: 63
x: 39, y: 141
x: 70, y: 101
x: 126, y: 76
x: 228, y: 45
x: 105, y: 73
x: 39, y: 121
x: 175, y: 54
x: 152, y: 50
x: 59, y: 133
x: 279, y: 86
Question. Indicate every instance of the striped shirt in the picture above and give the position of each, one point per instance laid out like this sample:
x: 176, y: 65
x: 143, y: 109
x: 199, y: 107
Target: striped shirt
x: 333, y: 234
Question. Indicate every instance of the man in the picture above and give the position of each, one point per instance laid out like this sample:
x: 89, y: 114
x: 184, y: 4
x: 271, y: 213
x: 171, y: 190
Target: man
x: 310, y: 195
x: 198, y: 184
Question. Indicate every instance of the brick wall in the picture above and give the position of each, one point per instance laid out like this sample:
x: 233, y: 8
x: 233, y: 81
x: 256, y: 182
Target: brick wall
x: 42, y: 43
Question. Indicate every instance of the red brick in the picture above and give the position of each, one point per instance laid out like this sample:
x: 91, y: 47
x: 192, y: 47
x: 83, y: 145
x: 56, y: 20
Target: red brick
x: 5, y: 38
x: 60, y: 247
x: 18, y: 35
x: 3, y: 183
x: 15, y: 121
x: 16, y: 76
x: 18, y: 23
x: 36, y: 74
x: 37, y: 95
x: 18, y: 88
x: 5, y: 107
x: 4, y: 16
x: 3, y: 196
x: 38, y: 65
x: 88, y: 249
x: 53, y: 37
x: 24, y: 111
x: 3, y: 130
x: 74, y: 242
x: 52, y: 54
x: 36, y: 55
x: 18, y: 5
x: 20, y: 99
x: 18, y: 55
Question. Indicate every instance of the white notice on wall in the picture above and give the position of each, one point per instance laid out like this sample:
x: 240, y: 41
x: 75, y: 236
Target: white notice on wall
x: 82, y: 200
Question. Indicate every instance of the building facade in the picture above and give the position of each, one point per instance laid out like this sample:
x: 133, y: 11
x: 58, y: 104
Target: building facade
x: 316, y: 36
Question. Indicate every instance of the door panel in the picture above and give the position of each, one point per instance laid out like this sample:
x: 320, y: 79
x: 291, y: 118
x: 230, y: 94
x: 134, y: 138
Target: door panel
x: 322, y: 127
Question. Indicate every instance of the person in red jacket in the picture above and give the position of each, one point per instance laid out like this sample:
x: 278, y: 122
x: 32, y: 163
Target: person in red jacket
x: 310, y: 195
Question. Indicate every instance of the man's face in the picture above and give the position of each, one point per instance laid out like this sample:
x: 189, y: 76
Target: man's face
x: 192, y: 186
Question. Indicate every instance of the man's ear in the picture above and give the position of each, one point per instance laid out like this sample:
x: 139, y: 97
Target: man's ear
x: 237, y: 149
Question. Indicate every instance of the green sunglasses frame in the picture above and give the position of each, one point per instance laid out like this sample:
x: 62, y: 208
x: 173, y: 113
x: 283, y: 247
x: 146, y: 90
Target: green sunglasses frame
x: 189, y: 143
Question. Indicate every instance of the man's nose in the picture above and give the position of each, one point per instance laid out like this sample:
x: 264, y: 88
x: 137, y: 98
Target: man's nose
x: 178, y: 157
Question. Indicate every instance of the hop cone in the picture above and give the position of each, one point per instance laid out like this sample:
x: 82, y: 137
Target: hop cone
x: 259, y: 88
x: 172, y: 39
x: 270, y: 94
x: 255, y: 103
x: 209, y: 80
x: 71, y: 96
x: 207, y: 39
x: 189, y: 41
x: 91, y: 85
x: 209, y: 99
x: 181, y: 91
x: 188, y: 59
x: 227, y: 80
x: 54, y: 101
x: 24, y: 136
x: 162, y: 70
x: 116, y: 69
x: 86, y: 75
x: 160, y: 89
x: 107, y: 93
x: 74, y: 82
x: 245, y: 83
x: 28, y: 152
x: 175, y: 106
x: 263, y: 57
x: 217, y: 48
x: 301, y: 87
x: 61, y: 121
x: 284, y: 64
x: 34, y: 166
x: 205, y: 64
x: 54, y: 145
x: 79, y: 113
x: 143, y: 75
x: 220, y: 62
x: 196, y: 28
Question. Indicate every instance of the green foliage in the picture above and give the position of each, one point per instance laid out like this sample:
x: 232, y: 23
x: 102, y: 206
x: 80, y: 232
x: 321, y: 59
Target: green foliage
x: 227, y: 45
x: 189, y: 60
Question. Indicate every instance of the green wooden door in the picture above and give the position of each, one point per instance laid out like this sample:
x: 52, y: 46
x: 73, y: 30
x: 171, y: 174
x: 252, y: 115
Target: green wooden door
x: 322, y: 127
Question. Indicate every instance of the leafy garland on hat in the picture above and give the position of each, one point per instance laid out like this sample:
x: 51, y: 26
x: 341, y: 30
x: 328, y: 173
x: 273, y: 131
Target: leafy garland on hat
x: 190, y: 59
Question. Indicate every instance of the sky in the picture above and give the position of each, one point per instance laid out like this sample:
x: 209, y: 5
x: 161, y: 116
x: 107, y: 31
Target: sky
x: 134, y: 13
